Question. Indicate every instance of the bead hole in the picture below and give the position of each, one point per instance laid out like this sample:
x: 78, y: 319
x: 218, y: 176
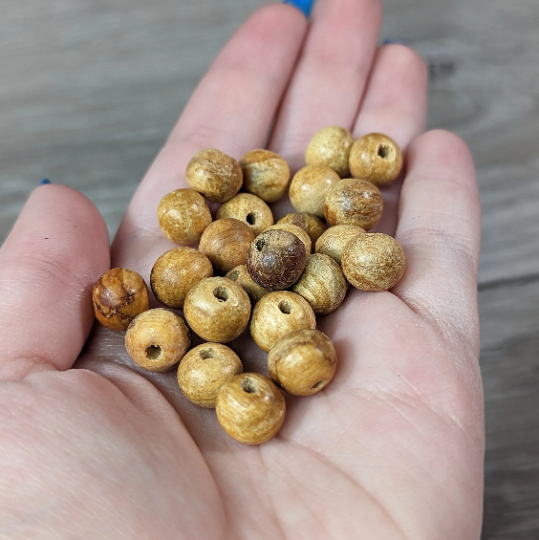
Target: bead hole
x: 234, y: 276
x: 260, y: 245
x: 153, y: 352
x: 384, y: 151
x: 251, y: 218
x: 318, y: 385
x: 249, y: 386
x: 285, y: 307
x: 206, y: 354
x: 221, y: 294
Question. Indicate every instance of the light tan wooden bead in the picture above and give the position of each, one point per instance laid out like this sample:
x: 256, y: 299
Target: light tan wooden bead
x: 226, y: 243
x: 334, y: 239
x: 118, y: 296
x: 303, y: 362
x: 175, y: 272
x: 214, y: 174
x: 183, y: 216
x: 277, y: 314
x: 307, y: 222
x: 242, y: 278
x: 309, y: 187
x: 376, y: 158
x: 217, y: 309
x: 373, y: 262
x: 298, y: 231
x: 250, y: 408
x: 330, y: 146
x: 265, y: 174
x: 157, y: 339
x: 248, y: 209
x: 354, y: 202
x: 204, y: 369
x: 322, y: 284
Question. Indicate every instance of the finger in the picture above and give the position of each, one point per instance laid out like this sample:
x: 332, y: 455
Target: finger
x: 56, y: 251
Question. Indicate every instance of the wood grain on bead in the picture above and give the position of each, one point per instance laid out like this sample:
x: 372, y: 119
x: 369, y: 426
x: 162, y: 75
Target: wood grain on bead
x: 183, y: 216
x: 204, y: 369
x: 250, y: 408
x: 298, y: 231
x: 214, y: 174
x: 307, y: 222
x: 276, y: 259
x: 322, y: 284
x: 303, y: 362
x: 265, y: 174
x: 217, y: 309
x: 241, y: 276
x: 376, y: 158
x: 333, y: 240
x: 118, y: 296
x: 354, y: 202
x: 248, y: 209
x: 157, y: 339
x: 309, y: 187
x: 226, y: 243
x: 175, y: 272
x: 277, y: 314
x: 330, y: 146
x: 373, y: 262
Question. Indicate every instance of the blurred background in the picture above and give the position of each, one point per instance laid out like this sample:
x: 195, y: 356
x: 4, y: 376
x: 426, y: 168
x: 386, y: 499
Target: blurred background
x: 89, y: 90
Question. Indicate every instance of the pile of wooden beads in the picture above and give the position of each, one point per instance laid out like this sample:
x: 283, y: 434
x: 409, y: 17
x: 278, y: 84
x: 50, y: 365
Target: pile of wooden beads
x: 266, y: 278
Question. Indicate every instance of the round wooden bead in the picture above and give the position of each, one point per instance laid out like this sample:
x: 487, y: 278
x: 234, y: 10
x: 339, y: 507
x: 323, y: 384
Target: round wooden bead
x: 334, y: 239
x: 226, y: 243
x: 303, y: 362
x: 175, y: 272
x: 183, y: 215
x: 322, y: 284
x: 241, y: 276
x: 330, y: 146
x: 249, y: 209
x: 298, y: 231
x: 276, y: 259
x: 376, y: 158
x: 214, y: 174
x: 119, y: 295
x: 373, y: 262
x: 354, y: 202
x: 157, y: 339
x: 309, y: 187
x: 309, y: 223
x: 265, y: 174
x: 250, y: 408
x: 217, y: 309
x: 204, y: 369
x: 277, y: 314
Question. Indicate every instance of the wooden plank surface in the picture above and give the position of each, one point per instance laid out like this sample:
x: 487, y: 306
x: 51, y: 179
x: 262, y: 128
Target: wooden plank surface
x: 90, y: 89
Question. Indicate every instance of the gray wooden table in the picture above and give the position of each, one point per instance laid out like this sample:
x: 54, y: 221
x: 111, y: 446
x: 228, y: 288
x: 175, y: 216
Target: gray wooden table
x: 89, y: 91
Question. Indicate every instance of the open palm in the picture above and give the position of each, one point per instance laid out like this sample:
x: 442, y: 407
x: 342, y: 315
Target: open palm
x: 392, y: 449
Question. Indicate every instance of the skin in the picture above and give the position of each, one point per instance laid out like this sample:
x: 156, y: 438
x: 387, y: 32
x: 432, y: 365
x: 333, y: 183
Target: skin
x: 392, y: 449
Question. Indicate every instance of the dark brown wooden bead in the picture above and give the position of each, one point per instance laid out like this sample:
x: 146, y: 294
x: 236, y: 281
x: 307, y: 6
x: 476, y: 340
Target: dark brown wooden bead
x: 298, y: 231
x: 334, y: 239
x: 119, y: 295
x: 307, y: 222
x: 248, y: 209
x: 241, y: 276
x: 276, y: 259
x: 330, y: 146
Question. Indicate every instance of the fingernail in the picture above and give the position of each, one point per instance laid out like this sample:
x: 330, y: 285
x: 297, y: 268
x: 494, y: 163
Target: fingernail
x: 305, y: 6
x: 44, y: 182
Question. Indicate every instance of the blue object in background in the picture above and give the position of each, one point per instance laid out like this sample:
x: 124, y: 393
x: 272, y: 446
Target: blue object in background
x: 305, y: 6
x: 44, y: 182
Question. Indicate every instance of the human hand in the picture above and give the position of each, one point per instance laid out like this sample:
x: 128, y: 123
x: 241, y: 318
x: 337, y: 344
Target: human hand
x: 393, y: 449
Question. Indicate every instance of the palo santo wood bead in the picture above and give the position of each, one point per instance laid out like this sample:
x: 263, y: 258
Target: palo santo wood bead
x: 276, y: 259
x: 157, y: 339
x: 119, y: 295
x: 303, y: 362
x: 242, y: 278
x: 204, y: 369
x: 214, y: 174
x: 330, y: 146
x: 298, y: 231
x: 373, y: 262
x: 175, y: 272
x: 250, y: 408
x: 265, y: 174
x: 183, y: 215
x: 217, y: 309
x: 354, y: 202
x: 226, y: 243
x: 322, y: 284
x: 309, y: 187
x: 309, y: 223
x: 248, y: 209
x: 376, y: 158
x: 334, y: 239
x: 277, y: 314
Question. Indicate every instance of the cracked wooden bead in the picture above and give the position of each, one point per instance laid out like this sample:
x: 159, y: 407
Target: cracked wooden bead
x: 248, y: 209
x: 241, y: 276
x: 333, y: 240
x: 298, y: 231
x: 309, y: 223
x: 330, y: 146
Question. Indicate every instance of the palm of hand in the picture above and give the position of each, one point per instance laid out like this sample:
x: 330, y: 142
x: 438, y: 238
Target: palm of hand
x: 392, y: 448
